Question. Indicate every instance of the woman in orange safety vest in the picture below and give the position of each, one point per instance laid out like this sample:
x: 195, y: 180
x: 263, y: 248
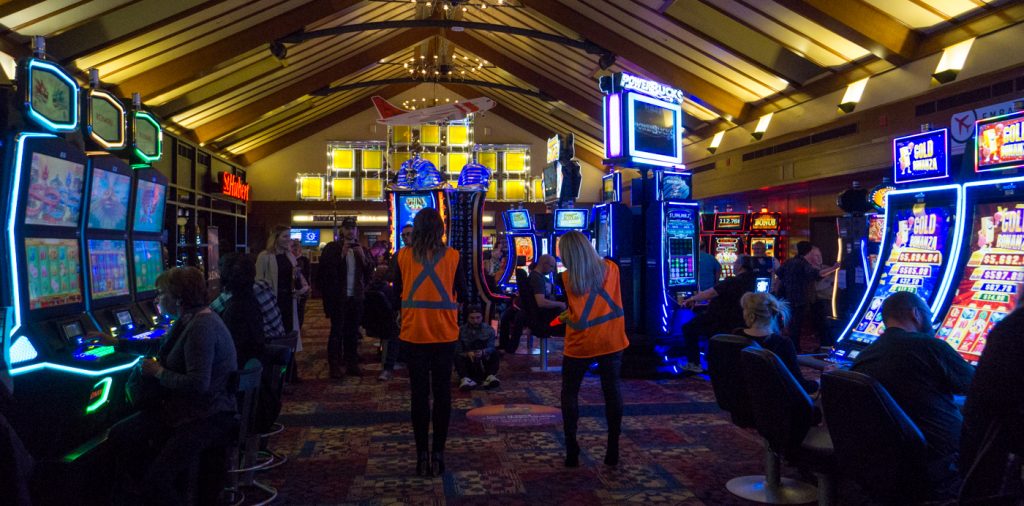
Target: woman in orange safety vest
x: 431, y: 283
x: 595, y: 331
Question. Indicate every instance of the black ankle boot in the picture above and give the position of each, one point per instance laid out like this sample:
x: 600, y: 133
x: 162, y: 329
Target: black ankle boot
x: 572, y: 454
x: 437, y: 463
x: 422, y: 464
x: 611, y: 457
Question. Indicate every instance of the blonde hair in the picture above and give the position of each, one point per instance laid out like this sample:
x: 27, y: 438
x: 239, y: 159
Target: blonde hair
x: 763, y: 309
x: 272, y: 238
x: 586, y: 269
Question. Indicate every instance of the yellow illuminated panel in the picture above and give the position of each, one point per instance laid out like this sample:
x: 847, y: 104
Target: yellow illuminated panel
x: 430, y: 135
x: 515, y: 189
x: 492, y: 190
x: 538, y: 190
x: 515, y: 162
x: 488, y: 159
x: 373, y: 159
x: 398, y: 158
x: 401, y: 134
x: 342, y: 159
x: 458, y: 135
x: 311, y: 187
x: 456, y: 161
x: 372, y: 189
x: 434, y: 158
x: 343, y: 188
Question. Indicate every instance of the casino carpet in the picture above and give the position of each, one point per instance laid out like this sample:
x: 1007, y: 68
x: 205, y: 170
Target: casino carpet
x: 350, y: 441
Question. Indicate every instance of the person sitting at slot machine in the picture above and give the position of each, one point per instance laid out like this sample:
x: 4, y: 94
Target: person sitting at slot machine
x: 723, y: 314
x: 764, y: 315
x: 186, y: 403
x: 922, y: 374
x: 548, y: 308
x: 241, y: 312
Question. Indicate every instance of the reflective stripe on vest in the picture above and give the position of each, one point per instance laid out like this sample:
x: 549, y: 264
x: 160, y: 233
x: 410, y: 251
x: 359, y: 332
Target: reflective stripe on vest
x: 584, y: 321
x: 429, y: 272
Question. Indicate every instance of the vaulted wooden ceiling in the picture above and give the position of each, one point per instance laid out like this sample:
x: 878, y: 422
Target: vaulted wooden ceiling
x: 206, y: 68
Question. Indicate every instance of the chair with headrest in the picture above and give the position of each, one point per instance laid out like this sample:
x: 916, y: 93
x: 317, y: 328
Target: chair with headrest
x: 876, y: 443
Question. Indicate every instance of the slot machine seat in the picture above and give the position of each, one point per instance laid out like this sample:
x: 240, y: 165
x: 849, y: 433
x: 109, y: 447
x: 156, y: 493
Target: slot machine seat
x: 276, y: 358
x: 785, y: 416
x: 243, y: 456
x: 532, y: 317
x: 876, y: 443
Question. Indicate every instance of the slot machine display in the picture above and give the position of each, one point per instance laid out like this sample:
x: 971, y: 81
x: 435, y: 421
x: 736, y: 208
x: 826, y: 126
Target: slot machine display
x: 567, y: 220
x: 766, y: 228
x: 419, y: 186
x: 727, y: 241
x: 147, y: 251
x: 923, y: 230
x: 522, y: 242
x: 673, y: 231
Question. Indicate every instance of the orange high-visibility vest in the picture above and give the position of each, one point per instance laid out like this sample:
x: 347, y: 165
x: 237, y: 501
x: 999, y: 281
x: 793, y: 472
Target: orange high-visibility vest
x: 430, y: 313
x: 597, y: 323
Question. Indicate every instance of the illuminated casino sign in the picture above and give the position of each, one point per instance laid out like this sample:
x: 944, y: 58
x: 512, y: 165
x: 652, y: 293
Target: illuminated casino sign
x: 650, y: 88
x: 765, y: 221
x: 921, y: 157
x: 643, y: 122
x: 1000, y: 142
x: 233, y: 186
x: 729, y: 221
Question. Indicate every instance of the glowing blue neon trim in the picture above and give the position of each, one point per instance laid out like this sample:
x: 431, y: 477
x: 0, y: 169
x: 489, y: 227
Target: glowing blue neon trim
x: 73, y: 370
x: 611, y: 231
x: 23, y: 351
x: 76, y: 91
x: 661, y: 251
x: 11, y: 214
x: 958, y: 236
x: 870, y: 276
x: 654, y: 158
x: 992, y: 182
x: 613, y: 126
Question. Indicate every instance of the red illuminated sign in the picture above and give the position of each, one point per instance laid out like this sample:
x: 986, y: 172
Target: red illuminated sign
x: 730, y: 221
x: 1000, y: 142
x: 233, y: 186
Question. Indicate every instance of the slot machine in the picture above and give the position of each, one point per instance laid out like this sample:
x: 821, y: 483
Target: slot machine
x: 567, y: 220
x: 726, y: 242
x: 613, y: 230
x: 522, y: 242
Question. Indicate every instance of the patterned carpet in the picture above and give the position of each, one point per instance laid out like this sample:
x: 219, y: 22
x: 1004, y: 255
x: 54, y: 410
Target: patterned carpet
x: 350, y: 441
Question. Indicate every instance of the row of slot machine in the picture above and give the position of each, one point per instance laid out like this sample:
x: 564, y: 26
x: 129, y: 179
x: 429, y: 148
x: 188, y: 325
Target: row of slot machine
x: 955, y: 240
x: 728, y: 235
x: 81, y: 253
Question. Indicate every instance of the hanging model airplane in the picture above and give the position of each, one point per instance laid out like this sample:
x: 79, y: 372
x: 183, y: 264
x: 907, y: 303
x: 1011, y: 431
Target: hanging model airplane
x: 391, y: 115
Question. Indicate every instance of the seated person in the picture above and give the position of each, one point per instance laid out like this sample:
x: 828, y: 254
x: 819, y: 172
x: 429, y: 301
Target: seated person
x: 922, y: 374
x: 994, y: 413
x: 185, y: 400
x: 241, y: 313
x: 380, y: 318
x: 764, y: 314
x: 548, y: 308
x: 723, y: 313
x: 476, y: 358
x: 273, y: 327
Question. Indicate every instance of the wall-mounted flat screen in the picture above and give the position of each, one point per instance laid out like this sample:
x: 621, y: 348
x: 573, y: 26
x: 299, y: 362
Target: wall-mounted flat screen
x: 54, y: 191
x: 108, y: 200
x: 108, y: 268
x: 53, y: 268
x: 149, y: 207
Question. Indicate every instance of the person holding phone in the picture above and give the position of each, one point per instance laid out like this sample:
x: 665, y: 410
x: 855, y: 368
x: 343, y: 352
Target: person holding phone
x: 344, y: 274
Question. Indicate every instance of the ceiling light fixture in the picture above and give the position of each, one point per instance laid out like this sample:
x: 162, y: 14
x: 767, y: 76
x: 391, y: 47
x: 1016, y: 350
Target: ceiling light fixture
x: 716, y: 141
x: 852, y: 96
x: 952, y: 61
x: 762, y: 126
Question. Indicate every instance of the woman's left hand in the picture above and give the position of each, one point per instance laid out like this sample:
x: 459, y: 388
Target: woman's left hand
x: 151, y: 367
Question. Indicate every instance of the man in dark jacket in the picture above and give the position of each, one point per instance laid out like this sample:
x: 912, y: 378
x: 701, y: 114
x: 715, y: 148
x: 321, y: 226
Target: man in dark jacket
x: 797, y: 279
x: 345, y: 269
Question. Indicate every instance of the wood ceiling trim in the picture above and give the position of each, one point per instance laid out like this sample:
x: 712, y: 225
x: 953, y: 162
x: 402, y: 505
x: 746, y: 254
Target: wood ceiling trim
x: 863, y: 24
x: 12, y: 6
x: 587, y: 133
x: 27, y: 24
x: 544, y: 84
x: 985, y: 22
x: 664, y: 70
x: 357, y: 106
x: 180, y: 70
x: 310, y: 83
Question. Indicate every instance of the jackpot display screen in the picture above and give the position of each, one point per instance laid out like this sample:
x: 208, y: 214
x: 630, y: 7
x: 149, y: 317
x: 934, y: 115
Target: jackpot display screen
x: 679, y: 247
x: 148, y: 264
x: 406, y: 207
x: 991, y: 281
x: 916, y: 262
x: 54, y: 191
x: 149, y: 207
x: 108, y: 200
x: 53, y: 272
x: 654, y: 127
x: 519, y: 220
x: 726, y: 250
x: 108, y: 268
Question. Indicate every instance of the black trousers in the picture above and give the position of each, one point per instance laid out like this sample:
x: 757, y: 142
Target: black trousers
x: 151, y: 458
x: 477, y: 369
x: 505, y: 327
x: 797, y: 316
x: 704, y: 325
x: 538, y: 324
x: 430, y: 373
x: 343, y: 341
x: 819, y: 320
x: 573, y: 369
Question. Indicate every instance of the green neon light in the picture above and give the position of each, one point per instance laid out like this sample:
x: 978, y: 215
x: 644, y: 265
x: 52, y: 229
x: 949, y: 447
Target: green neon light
x: 100, y: 351
x: 104, y: 397
x: 141, y: 155
x: 73, y: 370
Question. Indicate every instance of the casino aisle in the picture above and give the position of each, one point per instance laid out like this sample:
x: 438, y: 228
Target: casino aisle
x: 351, y: 442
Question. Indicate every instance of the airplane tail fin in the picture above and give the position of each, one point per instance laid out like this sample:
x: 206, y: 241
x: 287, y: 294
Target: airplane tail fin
x: 384, y: 108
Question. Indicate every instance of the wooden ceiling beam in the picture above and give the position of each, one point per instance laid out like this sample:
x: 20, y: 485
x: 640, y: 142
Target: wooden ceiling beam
x: 357, y: 106
x: 863, y: 24
x: 546, y: 85
x: 709, y: 93
x: 309, y: 83
x: 186, y: 68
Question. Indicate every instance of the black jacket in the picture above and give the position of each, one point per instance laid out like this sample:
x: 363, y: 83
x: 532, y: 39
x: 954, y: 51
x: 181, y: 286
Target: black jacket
x: 333, y: 273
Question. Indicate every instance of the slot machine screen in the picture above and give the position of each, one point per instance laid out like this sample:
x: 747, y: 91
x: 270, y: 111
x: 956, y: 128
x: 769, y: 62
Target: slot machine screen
x: 726, y: 250
x: 550, y: 180
x: 108, y: 200
x: 519, y: 220
x: 53, y: 272
x: 655, y: 128
x: 407, y: 206
x: 108, y: 268
x: 604, y: 232
x: 54, y: 191
x: 916, y: 262
x: 72, y: 331
x: 762, y: 285
x: 991, y: 282
x: 680, y: 234
x: 524, y: 248
x: 149, y: 207
x: 124, y: 317
x: 148, y: 264
x: 570, y: 219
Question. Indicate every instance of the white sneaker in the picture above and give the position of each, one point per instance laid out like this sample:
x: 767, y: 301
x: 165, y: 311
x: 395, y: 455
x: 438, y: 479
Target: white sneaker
x: 467, y: 384
x: 492, y: 381
x: 693, y: 368
x: 384, y: 375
